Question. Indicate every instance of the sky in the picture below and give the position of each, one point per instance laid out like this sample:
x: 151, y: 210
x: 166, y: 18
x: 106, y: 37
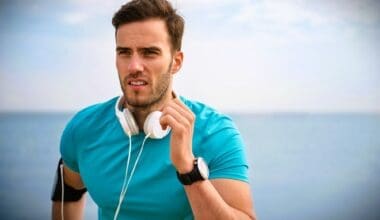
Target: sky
x: 240, y: 55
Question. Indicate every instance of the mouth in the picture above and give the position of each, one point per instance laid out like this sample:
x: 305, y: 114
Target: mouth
x: 137, y: 83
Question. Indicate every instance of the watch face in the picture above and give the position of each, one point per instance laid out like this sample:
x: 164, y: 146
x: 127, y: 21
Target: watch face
x: 203, y: 168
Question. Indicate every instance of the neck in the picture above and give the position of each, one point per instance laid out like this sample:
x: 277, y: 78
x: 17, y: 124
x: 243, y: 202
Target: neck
x: 140, y: 113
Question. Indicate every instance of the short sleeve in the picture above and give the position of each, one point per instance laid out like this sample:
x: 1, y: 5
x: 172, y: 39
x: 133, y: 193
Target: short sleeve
x: 226, y: 151
x: 68, y: 149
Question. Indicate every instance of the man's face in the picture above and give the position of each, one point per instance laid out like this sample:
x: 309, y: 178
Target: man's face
x: 144, y: 62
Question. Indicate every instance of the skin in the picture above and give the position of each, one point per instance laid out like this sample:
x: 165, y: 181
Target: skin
x: 144, y: 55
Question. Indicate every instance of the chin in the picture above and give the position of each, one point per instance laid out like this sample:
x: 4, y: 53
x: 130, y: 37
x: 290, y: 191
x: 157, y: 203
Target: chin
x: 137, y: 102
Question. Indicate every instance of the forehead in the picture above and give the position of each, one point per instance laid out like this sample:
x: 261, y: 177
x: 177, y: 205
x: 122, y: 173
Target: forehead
x: 152, y: 32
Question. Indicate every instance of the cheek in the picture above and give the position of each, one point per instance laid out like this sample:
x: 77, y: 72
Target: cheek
x: 122, y: 64
x: 161, y: 66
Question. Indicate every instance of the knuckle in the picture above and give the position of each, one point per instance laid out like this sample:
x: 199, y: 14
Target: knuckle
x: 182, y: 129
x: 192, y: 116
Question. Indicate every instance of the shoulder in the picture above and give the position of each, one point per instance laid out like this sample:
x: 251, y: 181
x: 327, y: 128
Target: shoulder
x: 208, y: 119
x: 218, y: 140
x: 94, y: 114
x: 88, y: 123
x: 201, y: 111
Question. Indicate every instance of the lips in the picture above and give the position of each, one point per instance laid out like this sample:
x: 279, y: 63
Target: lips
x: 137, y: 83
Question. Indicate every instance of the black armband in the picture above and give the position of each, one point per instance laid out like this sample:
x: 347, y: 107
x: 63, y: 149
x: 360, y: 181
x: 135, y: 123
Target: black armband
x: 70, y: 194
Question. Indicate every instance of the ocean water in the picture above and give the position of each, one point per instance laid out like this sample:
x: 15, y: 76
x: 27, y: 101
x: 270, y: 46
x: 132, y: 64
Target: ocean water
x: 302, y: 166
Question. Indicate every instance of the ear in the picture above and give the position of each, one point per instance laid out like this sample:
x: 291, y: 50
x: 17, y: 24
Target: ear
x: 177, y: 62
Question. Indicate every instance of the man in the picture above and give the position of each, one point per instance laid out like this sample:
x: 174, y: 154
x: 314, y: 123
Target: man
x: 133, y: 176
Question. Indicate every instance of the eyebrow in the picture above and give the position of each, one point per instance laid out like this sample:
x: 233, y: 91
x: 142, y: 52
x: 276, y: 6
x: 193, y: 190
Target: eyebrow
x: 118, y: 48
x: 153, y: 48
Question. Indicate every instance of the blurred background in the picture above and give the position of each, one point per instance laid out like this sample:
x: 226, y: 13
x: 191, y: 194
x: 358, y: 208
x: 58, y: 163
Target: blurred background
x: 301, y: 79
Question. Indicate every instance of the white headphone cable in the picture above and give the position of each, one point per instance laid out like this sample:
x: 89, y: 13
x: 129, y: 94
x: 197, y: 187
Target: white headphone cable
x: 125, y: 187
x: 127, y: 166
x: 63, y: 191
x: 125, y: 177
x: 134, y: 166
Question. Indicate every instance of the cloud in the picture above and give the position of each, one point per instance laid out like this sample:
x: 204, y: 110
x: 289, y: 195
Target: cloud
x: 74, y: 18
x: 281, y: 13
x: 283, y: 55
x: 276, y: 18
x: 257, y: 55
x: 315, y: 13
x: 196, y: 4
x: 80, y: 12
x: 95, y: 7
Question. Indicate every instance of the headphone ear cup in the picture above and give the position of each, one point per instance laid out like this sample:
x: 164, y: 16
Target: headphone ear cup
x: 132, y: 125
x: 153, y: 127
x: 120, y: 116
x: 126, y: 119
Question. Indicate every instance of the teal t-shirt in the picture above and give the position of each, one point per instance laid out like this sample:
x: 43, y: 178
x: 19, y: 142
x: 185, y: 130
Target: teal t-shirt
x: 95, y: 145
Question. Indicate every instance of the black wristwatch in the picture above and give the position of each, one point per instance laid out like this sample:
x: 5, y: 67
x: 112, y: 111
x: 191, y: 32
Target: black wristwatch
x: 200, y: 172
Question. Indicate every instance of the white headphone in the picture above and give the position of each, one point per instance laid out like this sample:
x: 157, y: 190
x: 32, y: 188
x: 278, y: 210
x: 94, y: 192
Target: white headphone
x: 152, y: 126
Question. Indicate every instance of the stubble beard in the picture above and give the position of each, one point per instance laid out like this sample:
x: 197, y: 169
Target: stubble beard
x: 158, y: 92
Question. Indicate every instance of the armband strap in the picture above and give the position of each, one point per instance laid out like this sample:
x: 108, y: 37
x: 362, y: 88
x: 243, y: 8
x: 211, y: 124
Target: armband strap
x: 70, y: 194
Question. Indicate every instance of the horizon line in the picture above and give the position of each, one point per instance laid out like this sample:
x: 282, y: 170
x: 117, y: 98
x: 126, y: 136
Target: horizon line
x: 245, y: 112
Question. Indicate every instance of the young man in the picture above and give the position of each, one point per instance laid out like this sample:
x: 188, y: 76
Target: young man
x: 134, y: 175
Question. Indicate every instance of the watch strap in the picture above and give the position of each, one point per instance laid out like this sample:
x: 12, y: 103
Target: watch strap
x: 193, y: 176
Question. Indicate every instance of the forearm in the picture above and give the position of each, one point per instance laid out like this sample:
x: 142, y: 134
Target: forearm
x: 219, y: 199
x: 206, y: 203
x: 71, y: 210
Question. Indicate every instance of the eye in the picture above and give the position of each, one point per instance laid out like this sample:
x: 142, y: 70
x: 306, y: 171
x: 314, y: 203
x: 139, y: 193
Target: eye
x: 150, y: 53
x: 124, y: 52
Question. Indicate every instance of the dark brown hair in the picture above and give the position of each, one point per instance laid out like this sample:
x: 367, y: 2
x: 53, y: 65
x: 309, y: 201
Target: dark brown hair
x: 140, y: 10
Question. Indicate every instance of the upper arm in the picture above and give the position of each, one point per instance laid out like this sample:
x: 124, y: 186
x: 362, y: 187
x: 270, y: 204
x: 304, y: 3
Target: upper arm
x: 236, y: 194
x: 69, y: 155
x: 72, y: 178
x: 224, y: 150
x: 68, y: 147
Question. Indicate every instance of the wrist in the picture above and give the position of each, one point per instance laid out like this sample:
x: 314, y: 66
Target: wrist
x: 185, y: 166
x: 199, y: 172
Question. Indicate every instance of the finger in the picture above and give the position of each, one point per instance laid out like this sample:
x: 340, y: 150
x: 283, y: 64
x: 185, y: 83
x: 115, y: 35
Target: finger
x: 182, y: 109
x: 176, y: 113
x: 179, y: 114
x: 169, y: 120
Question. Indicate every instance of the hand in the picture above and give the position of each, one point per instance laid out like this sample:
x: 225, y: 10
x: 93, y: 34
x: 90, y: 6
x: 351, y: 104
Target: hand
x: 181, y: 120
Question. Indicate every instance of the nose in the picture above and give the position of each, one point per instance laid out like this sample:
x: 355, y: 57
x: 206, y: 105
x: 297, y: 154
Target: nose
x: 135, y: 65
